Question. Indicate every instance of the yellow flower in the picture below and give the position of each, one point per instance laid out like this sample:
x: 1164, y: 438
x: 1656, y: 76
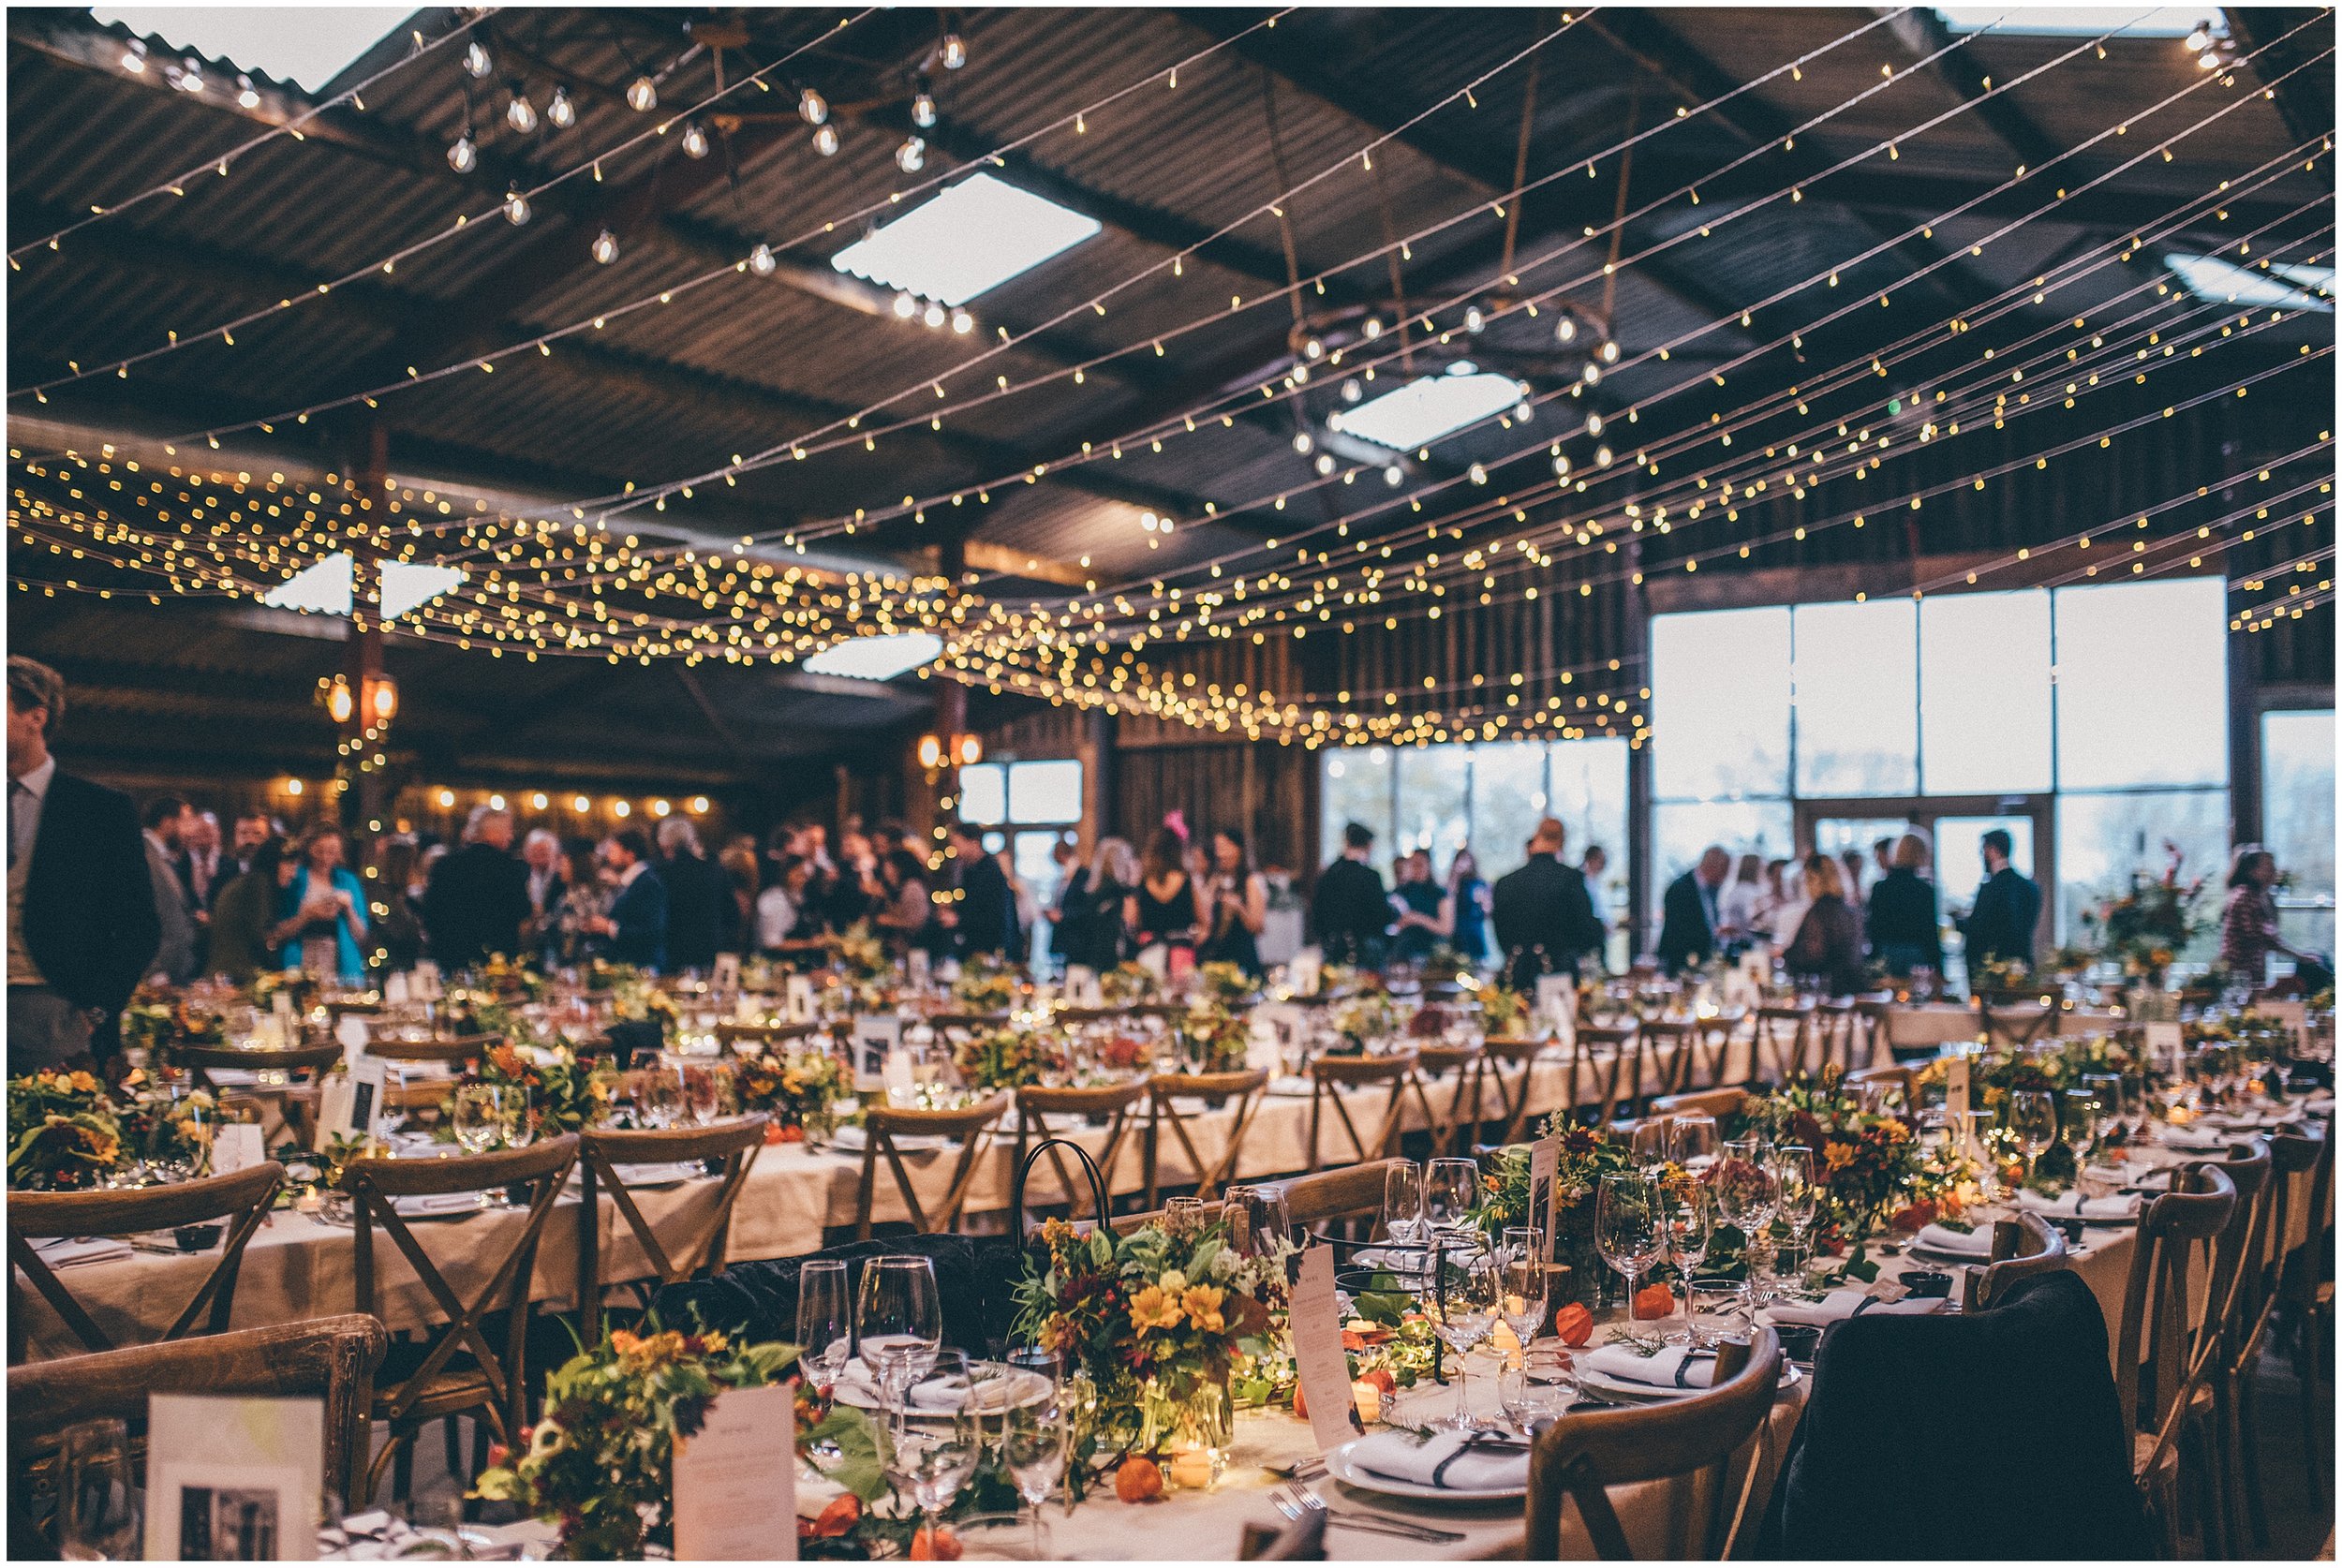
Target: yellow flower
x: 1837, y: 1155
x: 83, y: 1082
x: 1154, y: 1308
x: 1203, y: 1307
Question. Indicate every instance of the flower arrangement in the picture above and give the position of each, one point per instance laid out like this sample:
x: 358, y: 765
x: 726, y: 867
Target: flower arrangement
x: 1585, y: 1156
x: 801, y: 1089
x: 1215, y: 1039
x: 1225, y: 985
x: 63, y: 1133
x: 986, y: 984
x: 506, y: 977
x: 1869, y: 1166
x: 1127, y: 985
x: 1006, y: 1059
x: 634, y: 999
x: 2001, y: 976
x: 301, y: 987
x: 1503, y: 1010
x: 155, y: 1018
x: 1445, y: 963
x: 174, y: 1127
x: 2145, y: 929
x: 564, y: 1094
x: 601, y: 1461
x: 1364, y: 1018
x: 1158, y: 1320
x: 861, y: 954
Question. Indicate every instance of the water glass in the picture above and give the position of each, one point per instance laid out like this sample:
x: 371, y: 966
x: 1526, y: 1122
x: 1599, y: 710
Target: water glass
x: 97, y: 1505
x: 1648, y: 1143
x: 899, y: 1323
x: 1467, y: 1316
x: 1798, y: 1187
x: 1538, y: 1390
x: 1524, y: 1284
x: 1402, y: 1201
x: 478, y: 1117
x: 1033, y: 1447
x: 1686, y: 1216
x: 933, y: 1460
x: 1716, y: 1309
x: 2033, y: 1121
x: 824, y: 1327
x: 703, y: 1093
x: 2078, y: 1124
x: 1258, y: 1222
x: 1451, y: 1189
x: 1692, y: 1143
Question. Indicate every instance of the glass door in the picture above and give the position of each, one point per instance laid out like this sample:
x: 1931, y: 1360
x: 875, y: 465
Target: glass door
x: 1954, y: 827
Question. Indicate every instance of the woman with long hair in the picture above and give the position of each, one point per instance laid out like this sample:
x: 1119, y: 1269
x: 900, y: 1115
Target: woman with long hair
x: 1098, y: 909
x: 243, y: 916
x: 905, y: 916
x: 1903, y: 919
x: 1238, y: 900
x: 397, y: 925
x: 1464, y: 910
x: 584, y: 900
x: 1162, y: 908
x: 1736, y: 905
x: 2249, y: 921
x: 1828, y: 947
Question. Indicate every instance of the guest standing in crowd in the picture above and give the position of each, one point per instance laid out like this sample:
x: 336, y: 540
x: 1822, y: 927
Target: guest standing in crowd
x: 321, y: 922
x: 477, y: 896
x: 1736, y: 910
x: 1238, y: 906
x: 983, y: 915
x: 635, y: 929
x: 907, y: 911
x: 199, y: 862
x: 541, y: 854
x: 1902, y: 921
x: 1094, y: 906
x: 1349, y: 908
x: 1828, y: 947
x: 1161, y: 911
x: 252, y: 830
x: 2008, y: 907
x: 1687, y: 930
x: 698, y: 897
x: 397, y: 924
x: 82, y: 922
x: 854, y: 894
x: 1464, y: 911
x: 742, y: 869
x: 1594, y: 865
x: 585, y: 900
x: 1544, y: 920
x: 243, y: 916
x: 1414, y: 901
x: 783, y: 910
x: 167, y: 820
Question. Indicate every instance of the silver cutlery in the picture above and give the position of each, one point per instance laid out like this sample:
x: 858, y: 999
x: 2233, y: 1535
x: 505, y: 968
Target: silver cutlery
x: 1296, y: 1501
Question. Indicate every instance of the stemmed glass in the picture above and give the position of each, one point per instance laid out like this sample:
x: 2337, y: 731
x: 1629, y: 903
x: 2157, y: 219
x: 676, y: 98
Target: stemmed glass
x: 1402, y: 1203
x: 933, y: 1461
x: 1033, y: 1447
x: 1799, y: 1189
x: 899, y: 1323
x: 178, y: 1148
x: 1467, y: 1317
x: 1692, y: 1143
x: 97, y: 1509
x: 824, y: 1325
x: 2078, y: 1127
x: 1648, y: 1143
x: 1450, y: 1188
x: 1257, y: 1220
x: 1523, y: 1283
x: 2134, y: 1102
x: 1687, y: 1219
x: 485, y: 1118
x: 703, y: 1093
x: 1541, y: 1389
x: 1629, y: 1232
x: 2032, y: 1121
x: 2107, y: 1090
x: 1746, y: 1189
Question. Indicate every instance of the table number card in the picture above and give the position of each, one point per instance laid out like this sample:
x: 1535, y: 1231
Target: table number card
x: 237, y: 1145
x: 726, y: 978
x: 1156, y: 961
x: 901, y: 1079
x: 876, y: 1036
x: 352, y: 1100
x: 350, y: 1029
x: 744, y: 1009
x: 427, y: 982
x: 1081, y: 986
x: 735, y: 1480
x: 1545, y: 1163
x: 1955, y: 1089
x: 2167, y: 1045
x: 1315, y: 1320
x: 1557, y: 999
x: 920, y: 967
x: 233, y: 1480
x: 800, y: 999
x: 394, y: 990
x: 1309, y: 966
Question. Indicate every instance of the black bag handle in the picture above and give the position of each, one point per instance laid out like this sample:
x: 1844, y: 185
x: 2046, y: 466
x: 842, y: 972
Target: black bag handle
x: 1089, y: 1169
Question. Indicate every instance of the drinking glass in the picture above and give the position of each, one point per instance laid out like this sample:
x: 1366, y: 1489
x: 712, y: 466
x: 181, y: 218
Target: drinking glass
x: 1467, y: 1317
x: 1257, y: 1220
x: 97, y: 1509
x: 1714, y: 1308
x: 899, y: 1323
x: 2107, y: 1090
x: 1523, y: 1284
x: 178, y: 1150
x: 1686, y: 1218
x: 824, y: 1325
x: 1540, y: 1389
x: 2032, y: 1121
x: 703, y: 1092
x: 1451, y: 1189
x: 1033, y: 1447
x: 662, y: 1097
x: 934, y: 1460
x: 1403, y: 1203
x: 2078, y: 1125
x: 1648, y: 1143
x: 2134, y: 1106
x: 1746, y: 1190
x: 1692, y: 1143
x: 478, y: 1117
x: 1629, y: 1231
x: 1799, y: 1188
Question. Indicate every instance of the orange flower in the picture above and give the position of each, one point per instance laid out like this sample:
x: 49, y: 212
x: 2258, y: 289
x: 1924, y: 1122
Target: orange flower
x: 1203, y: 1307
x: 1154, y: 1308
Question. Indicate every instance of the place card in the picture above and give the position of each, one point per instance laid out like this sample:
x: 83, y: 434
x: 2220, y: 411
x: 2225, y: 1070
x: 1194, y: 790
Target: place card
x: 233, y: 1480
x: 350, y: 1029
x: 726, y: 978
x: 394, y: 989
x: 1313, y: 1317
x: 1309, y: 972
x: 1545, y: 1163
x: 237, y: 1145
x: 920, y: 966
x: 1956, y: 1090
x: 1557, y: 1001
x: 1081, y: 986
x: 427, y: 982
x: 280, y: 1007
x: 352, y: 1101
x: 799, y: 999
x: 876, y: 1035
x: 901, y: 1079
x: 735, y: 1479
x: 1156, y: 960
x: 2166, y: 1045
x: 744, y: 1009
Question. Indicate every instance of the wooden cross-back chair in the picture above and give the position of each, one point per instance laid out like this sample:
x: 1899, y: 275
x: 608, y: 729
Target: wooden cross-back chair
x: 2021, y: 1248
x: 1717, y: 1102
x: 1841, y: 1034
x: 2304, y: 1296
x: 732, y: 1036
x: 941, y: 1022
x: 1165, y: 1089
x: 452, y: 1049
x: 732, y: 1145
x: 970, y: 1125
x: 1456, y: 1125
x: 1351, y: 1195
x: 1116, y: 1102
x: 1904, y: 1080
x: 2164, y: 1339
x: 238, y: 1201
x: 1783, y: 1036
x: 333, y: 1359
x: 1512, y: 1094
x: 487, y: 1383
x: 299, y: 1099
x: 2014, y: 1021
x: 1110, y: 1014
x: 1605, y: 1071
x: 2231, y: 1301
x: 1330, y: 1076
x: 1579, y: 1457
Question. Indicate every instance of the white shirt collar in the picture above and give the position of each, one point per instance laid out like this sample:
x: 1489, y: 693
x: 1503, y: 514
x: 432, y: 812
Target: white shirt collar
x: 38, y: 780
x: 626, y: 878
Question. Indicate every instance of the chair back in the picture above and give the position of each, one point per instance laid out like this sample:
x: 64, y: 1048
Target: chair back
x: 333, y: 1359
x: 2022, y: 1247
x: 1717, y: 1102
x: 1330, y: 1076
x: 698, y: 1246
x: 1778, y: 1051
x: 2232, y: 1291
x: 1165, y: 1089
x: 240, y: 1198
x: 1116, y: 1102
x: 2295, y: 1267
x: 1579, y: 1457
x: 1301, y: 1540
x: 1458, y: 1120
x: 1605, y: 1070
x: 970, y: 1125
x: 1897, y: 1079
x: 1512, y: 1094
x: 451, y: 1049
x: 2163, y: 1333
x: 200, y: 1059
x: 1353, y: 1192
x: 732, y: 1035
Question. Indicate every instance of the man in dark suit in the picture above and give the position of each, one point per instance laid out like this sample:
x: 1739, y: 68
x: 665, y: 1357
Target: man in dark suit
x: 167, y: 819
x: 2006, y: 911
x: 697, y: 895
x: 478, y: 895
x: 1687, y: 929
x: 1350, y: 909
x: 635, y: 929
x: 81, y: 919
x: 1544, y: 919
x: 984, y: 908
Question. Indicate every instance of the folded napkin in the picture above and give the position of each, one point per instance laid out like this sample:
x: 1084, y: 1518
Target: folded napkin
x: 1847, y: 1302
x: 2122, y: 1205
x: 1966, y: 1244
x: 654, y: 1173
x: 426, y: 1205
x: 2194, y: 1138
x: 1673, y: 1367
x: 60, y: 1252
x: 934, y: 1394
x: 1477, y: 1462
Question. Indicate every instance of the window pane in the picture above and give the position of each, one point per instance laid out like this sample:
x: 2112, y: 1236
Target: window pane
x: 1045, y: 792
x: 1680, y: 833
x: 1355, y: 788
x: 1431, y: 800
x: 1720, y: 703
x: 2103, y: 839
x: 2297, y: 820
x: 1984, y: 693
x: 1857, y: 683
x: 1590, y: 798
x: 984, y: 794
x: 2143, y: 684
x: 1507, y: 798
x: 1035, y: 864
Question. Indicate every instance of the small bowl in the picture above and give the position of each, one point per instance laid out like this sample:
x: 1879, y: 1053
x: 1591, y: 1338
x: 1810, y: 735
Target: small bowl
x: 1799, y: 1340
x: 1926, y: 1282
x: 198, y: 1239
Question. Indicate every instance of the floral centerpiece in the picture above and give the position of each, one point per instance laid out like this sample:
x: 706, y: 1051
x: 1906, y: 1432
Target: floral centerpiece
x: 1225, y: 985
x: 861, y: 954
x: 1503, y: 1010
x: 1364, y: 1018
x: 1869, y: 1166
x: 564, y: 1093
x: 63, y: 1133
x: 506, y: 977
x: 1585, y: 1156
x: 1006, y: 1059
x: 801, y: 1089
x: 301, y: 988
x: 2146, y: 927
x: 2000, y: 977
x: 1127, y: 985
x: 1158, y: 1320
x: 986, y: 984
x: 600, y: 1463
x: 634, y: 999
x: 177, y: 1129
x: 155, y: 1018
x: 1215, y: 1039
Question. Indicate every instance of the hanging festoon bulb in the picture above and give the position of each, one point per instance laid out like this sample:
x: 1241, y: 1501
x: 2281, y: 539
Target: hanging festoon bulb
x: 1303, y: 443
x: 134, y: 57
x: 1352, y: 390
x: 605, y: 248
x: 694, y: 140
x: 923, y: 110
x: 761, y: 261
x: 462, y: 155
x: 642, y: 95
x: 1314, y: 348
x: 476, y: 60
x: 560, y: 110
x: 905, y: 305
x: 1591, y: 375
x: 1394, y: 476
x: 2202, y: 36
x: 1601, y: 457
x: 1325, y: 463
x: 1524, y: 411
x: 1474, y: 320
x: 1477, y: 474
x: 1371, y: 327
x: 1594, y: 424
x: 1561, y: 466
x: 954, y: 51
x: 963, y: 323
x: 933, y: 314
x: 812, y: 108
x: 190, y: 75
x: 1610, y: 351
x: 517, y: 208
x: 520, y: 114
x: 1566, y: 327
x: 248, y: 95
x: 825, y: 140
x: 912, y: 156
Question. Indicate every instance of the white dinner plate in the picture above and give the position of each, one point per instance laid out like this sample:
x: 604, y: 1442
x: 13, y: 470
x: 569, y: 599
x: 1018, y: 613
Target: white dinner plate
x: 1342, y: 1468
x: 1606, y: 1387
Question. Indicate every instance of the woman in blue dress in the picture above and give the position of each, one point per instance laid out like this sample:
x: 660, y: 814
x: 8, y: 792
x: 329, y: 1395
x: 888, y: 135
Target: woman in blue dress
x: 322, y: 910
x: 1465, y: 910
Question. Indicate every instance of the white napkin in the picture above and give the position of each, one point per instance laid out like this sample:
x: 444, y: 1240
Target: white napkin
x: 430, y: 1204
x: 1967, y: 1244
x: 1477, y: 1468
x: 934, y: 1394
x: 61, y: 1251
x: 1666, y: 1370
x: 2194, y: 1138
x: 2122, y: 1205
x: 1849, y: 1302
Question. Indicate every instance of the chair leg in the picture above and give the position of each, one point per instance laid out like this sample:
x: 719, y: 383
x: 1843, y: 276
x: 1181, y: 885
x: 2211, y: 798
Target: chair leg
x: 402, y: 1468
x: 2247, y: 1429
x: 2313, y: 1438
x: 453, y: 1441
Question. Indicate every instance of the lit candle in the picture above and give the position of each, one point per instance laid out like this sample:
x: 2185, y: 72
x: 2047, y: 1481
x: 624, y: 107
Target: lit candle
x: 1190, y: 1467
x: 1370, y: 1399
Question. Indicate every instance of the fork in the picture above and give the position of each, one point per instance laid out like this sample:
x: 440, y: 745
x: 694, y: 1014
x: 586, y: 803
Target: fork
x: 1295, y: 1500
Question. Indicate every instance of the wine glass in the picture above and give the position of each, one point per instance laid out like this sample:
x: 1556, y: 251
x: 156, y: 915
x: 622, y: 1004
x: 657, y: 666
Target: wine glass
x: 2134, y: 1102
x: 477, y: 1117
x: 1648, y: 1143
x: 1256, y: 1219
x: 2107, y: 1090
x: 178, y: 1147
x: 1629, y: 1229
x: 1523, y: 1284
x: 824, y: 1329
x: 933, y: 1460
x: 97, y: 1507
x: 1451, y: 1188
x: 702, y: 1092
x: 1540, y: 1389
x: 1033, y: 1447
x: 662, y: 1097
x: 1692, y: 1143
x: 1467, y: 1316
x: 1687, y: 1219
x: 899, y: 1323
x: 1799, y: 1188
x: 2032, y: 1121
x: 1403, y: 1203
x: 1746, y: 1189
x: 2078, y: 1125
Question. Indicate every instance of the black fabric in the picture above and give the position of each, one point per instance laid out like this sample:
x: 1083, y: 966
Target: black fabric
x: 988, y: 908
x: 640, y: 913
x: 1684, y: 935
x: 90, y: 921
x: 699, y: 892
x: 1899, y: 1403
x: 1828, y: 946
x: 977, y: 1278
x: 1900, y: 921
x: 2001, y: 925
x: 1544, y: 920
x: 474, y: 905
x: 1350, y: 912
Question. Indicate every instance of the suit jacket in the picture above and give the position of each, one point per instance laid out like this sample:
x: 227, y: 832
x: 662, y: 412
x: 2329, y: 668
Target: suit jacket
x: 475, y: 903
x: 1352, y: 912
x: 91, y: 919
x: 641, y: 913
x: 699, y: 895
x: 1684, y: 935
x: 1544, y: 919
x: 2001, y: 925
x: 988, y: 908
x: 1900, y: 921
x: 174, y: 952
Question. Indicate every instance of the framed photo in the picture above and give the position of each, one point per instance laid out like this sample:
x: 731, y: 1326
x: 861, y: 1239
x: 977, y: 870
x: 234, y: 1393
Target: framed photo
x: 233, y: 1480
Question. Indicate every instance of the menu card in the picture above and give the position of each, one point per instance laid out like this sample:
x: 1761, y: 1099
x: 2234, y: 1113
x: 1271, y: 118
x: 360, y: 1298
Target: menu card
x: 2165, y: 1045
x: 735, y: 1479
x: 233, y: 1480
x: 1081, y: 986
x: 800, y: 999
x: 726, y: 978
x: 1308, y: 971
x: 1315, y: 1317
x: 1545, y: 1163
x: 875, y: 1035
x: 1557, y: 999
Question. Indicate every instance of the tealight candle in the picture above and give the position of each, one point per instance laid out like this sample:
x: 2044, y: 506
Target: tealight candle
x: 1370, y: 1400
x: 1190, y: 1467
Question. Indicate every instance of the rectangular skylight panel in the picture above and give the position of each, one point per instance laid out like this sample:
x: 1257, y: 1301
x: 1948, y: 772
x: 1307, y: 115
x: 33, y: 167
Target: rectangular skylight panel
x: 876, y: 658
x: 1428, y: 408
x: 308, y: 47
x: 2082, y: 22
x: 975, y: 236
x: 2300, y: 287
